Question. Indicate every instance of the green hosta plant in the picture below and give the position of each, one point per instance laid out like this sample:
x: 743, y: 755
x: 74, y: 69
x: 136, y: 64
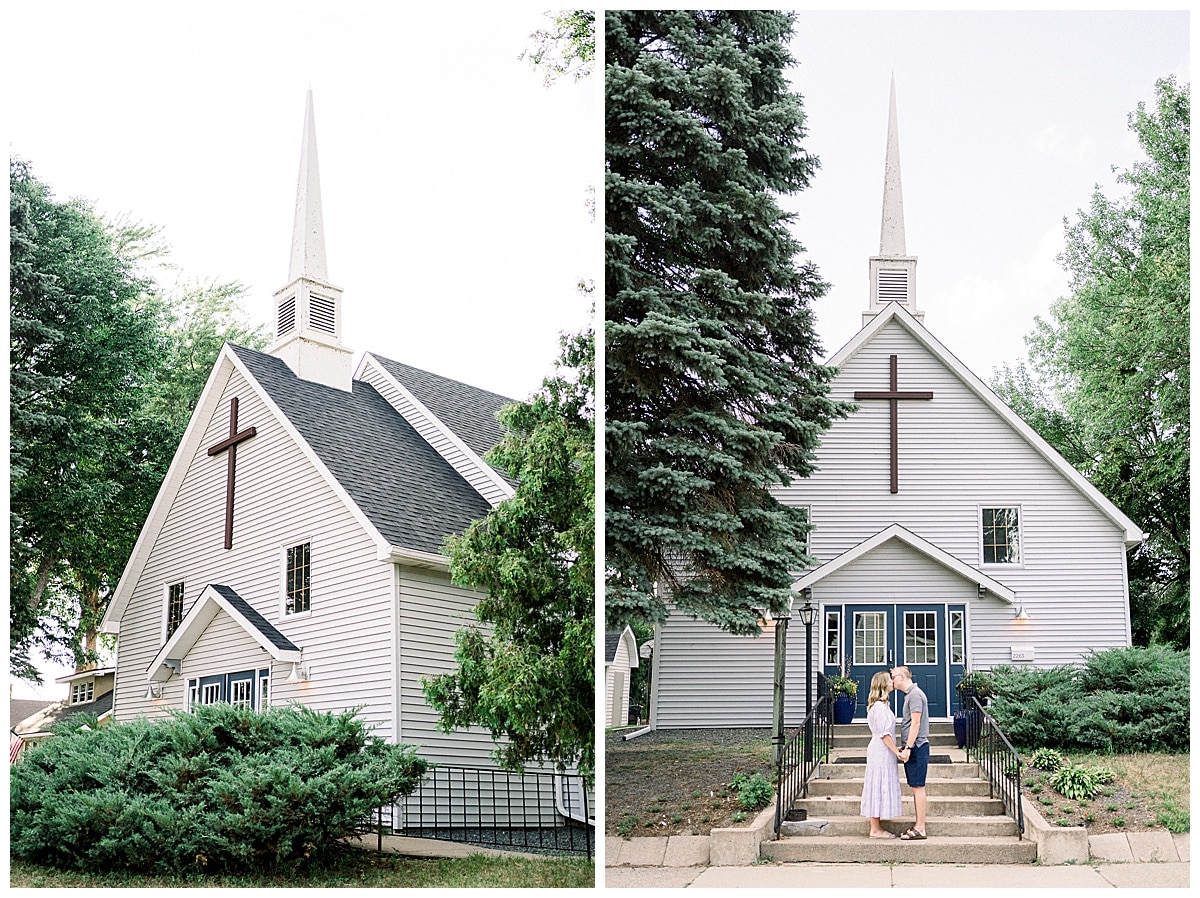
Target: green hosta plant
x: 1104, y: 775
x: 1048, y: 759
x: 1075, y: 782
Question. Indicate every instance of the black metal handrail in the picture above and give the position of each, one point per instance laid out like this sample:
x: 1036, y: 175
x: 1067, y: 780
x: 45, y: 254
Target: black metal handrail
x: 997, y: 759
x: 537, y: 811
x: 800, y: 756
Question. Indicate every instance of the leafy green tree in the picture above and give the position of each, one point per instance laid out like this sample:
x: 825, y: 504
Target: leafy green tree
x: 106, y: 368
x: 1110, y: 378
x: 713, y: 390
x: 84, y: 344
x: 566, y: 47
x: 528, y: 675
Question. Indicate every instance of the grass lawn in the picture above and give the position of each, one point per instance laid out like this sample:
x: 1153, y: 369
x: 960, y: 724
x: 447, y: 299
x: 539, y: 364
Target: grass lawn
x: 352, y: 868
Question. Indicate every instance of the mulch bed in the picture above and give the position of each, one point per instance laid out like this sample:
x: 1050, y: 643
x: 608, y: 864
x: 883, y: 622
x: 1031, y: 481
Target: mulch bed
x: 676, y: 782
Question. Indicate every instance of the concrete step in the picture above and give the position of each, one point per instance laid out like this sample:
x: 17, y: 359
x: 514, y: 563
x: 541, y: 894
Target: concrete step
x: 944, y: 786
x: 935, y: 849
x: 938, y: 805
x: 934, y: 826
x: 843, y: 738
x: 936, y: 771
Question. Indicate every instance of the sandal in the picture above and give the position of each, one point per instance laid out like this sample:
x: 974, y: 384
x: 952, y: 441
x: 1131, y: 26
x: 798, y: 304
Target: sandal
x: 913, y: 835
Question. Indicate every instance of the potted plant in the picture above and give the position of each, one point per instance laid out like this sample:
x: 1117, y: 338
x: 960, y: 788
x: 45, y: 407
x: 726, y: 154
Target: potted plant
x: 843, y: 690
x: 968, y: 719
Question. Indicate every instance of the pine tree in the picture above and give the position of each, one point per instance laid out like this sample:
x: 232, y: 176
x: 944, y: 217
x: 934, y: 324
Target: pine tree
x: 713, y: 389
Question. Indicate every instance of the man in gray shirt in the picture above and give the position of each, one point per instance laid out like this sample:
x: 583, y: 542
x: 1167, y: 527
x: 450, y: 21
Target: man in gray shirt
x: 914, y: 742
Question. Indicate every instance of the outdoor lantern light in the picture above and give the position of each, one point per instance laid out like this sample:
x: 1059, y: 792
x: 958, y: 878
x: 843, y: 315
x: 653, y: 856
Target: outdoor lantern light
x: 808, y: 611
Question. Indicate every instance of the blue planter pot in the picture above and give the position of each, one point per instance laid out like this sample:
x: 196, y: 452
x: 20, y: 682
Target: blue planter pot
x: 843, y: 708
x: 966, y: 728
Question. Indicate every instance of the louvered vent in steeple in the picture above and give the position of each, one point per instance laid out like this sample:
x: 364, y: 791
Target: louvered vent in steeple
x: 893, y: 286
x: 322, y: 313
x: 287, y: 316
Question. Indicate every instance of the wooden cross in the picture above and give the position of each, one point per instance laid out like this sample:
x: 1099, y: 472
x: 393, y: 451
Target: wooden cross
x: 893, y: 396
x: 231, y: 443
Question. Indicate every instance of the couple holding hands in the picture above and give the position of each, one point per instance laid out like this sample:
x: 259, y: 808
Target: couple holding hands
x: 881, y: 788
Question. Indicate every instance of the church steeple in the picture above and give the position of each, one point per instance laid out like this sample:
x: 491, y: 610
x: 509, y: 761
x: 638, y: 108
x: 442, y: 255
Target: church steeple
x: 308, y: 311
x: 893, y: 273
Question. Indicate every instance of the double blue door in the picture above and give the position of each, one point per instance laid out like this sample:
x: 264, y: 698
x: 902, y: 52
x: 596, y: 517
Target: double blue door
x: 927, y: 639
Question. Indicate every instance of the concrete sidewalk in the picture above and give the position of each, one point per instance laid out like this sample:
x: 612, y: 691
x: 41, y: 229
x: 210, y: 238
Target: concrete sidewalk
x: 1120, y: 860
x: 902, y: 876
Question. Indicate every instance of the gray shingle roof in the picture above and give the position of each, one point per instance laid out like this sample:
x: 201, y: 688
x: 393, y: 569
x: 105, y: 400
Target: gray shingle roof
x: 255, y: 619
x: 611, y: 642
x: 55, y: 714
x: 404, y: 487
x: 469, y: 411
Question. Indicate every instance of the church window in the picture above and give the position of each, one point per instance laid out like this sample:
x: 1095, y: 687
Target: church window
x: 174, y: 607
x: 870, y: 637
x: 82, y: 693
x: 296, y: 587
x: 958, y: 654
x: 1001, y: 535
x: 833, y: 637
x: 920, y: 637
x: 236, y: 688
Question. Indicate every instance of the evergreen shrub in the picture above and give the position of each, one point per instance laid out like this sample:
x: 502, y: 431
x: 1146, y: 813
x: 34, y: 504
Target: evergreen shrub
x: 218, y: 790
x: 1117, y: 701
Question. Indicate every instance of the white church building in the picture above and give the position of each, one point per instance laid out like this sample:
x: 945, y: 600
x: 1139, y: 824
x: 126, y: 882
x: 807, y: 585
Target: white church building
x: 294, y: 551
x: 948, y: 534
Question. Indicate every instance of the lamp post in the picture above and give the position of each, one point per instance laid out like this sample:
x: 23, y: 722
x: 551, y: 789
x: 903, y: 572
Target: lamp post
x: 807, y: 614
x: 781, y: 625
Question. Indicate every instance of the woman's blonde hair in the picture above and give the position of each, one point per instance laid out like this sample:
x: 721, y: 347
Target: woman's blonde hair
x: 879, y: 688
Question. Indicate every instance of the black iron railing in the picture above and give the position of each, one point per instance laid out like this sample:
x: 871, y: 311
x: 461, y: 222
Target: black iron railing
x: 997, y: 759
x: 538, y: 812
x: 802, y: 753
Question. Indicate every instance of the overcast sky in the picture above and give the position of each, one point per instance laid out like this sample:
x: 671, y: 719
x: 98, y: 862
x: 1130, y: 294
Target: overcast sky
x: 1007, y: 121
x: 454, y: 182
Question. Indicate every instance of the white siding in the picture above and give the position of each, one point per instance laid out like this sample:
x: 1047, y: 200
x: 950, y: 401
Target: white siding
x: 616, y: 705
x: 431, y: 611
x: 434, y: 432
x: 280, y: 500
x: 955, y: 455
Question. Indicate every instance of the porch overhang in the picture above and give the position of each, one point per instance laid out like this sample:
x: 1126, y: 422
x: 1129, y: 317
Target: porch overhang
x: 217, y: 598
x: 896, y: 532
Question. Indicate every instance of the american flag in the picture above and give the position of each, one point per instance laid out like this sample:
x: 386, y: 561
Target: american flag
x: 14, y: 748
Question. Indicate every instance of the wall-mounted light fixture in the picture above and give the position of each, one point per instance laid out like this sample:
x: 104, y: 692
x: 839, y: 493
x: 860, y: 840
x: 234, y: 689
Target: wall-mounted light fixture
x: 154, y: 691
x: 1021, y: 615
x: 299, y: 673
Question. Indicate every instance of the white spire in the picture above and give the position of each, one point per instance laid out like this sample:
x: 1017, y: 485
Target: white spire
x: 893, y: 273
x: 308, y: 228
x: 891, y: 233
x: 308, y: 311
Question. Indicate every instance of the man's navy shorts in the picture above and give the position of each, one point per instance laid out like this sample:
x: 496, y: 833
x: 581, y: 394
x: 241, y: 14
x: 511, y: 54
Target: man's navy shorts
x: 917, y: 765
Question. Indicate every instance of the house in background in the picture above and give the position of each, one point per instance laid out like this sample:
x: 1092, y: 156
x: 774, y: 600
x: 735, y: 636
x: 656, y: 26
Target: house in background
x: 948, y: 534
x: 91, y: 693
x: 294, y: 551
x: 620, y: 658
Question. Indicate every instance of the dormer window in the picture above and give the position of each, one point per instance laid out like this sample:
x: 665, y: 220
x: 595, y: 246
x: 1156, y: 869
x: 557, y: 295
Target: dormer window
x: 83, y: 692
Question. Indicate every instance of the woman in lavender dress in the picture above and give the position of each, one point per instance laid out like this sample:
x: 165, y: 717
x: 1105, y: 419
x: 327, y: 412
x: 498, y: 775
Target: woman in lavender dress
x: 881, y: 787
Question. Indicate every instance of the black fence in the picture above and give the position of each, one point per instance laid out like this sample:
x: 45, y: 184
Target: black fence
x: 802, y: 753
x: 535, y: 812
x: 997, y: 760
